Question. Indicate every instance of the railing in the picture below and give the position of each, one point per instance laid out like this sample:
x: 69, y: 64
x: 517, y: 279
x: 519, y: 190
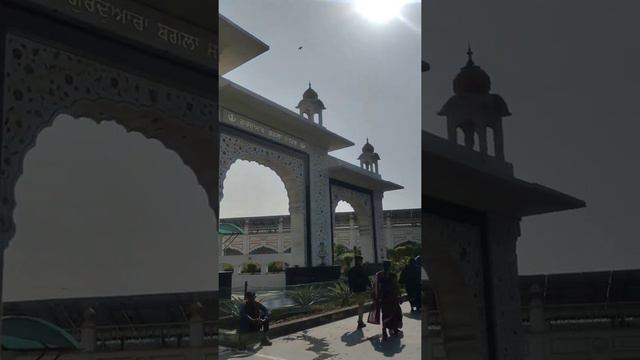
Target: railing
x: 148, y: 336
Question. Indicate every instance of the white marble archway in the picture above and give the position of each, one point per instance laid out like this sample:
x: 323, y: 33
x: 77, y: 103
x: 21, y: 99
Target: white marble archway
x: 42, y: 82
x: 361, y: 204
x: 289, y: 168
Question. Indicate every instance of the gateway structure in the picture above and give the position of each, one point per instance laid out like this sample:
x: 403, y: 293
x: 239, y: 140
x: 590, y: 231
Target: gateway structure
x: 296, y: 146
x: 472, y: 205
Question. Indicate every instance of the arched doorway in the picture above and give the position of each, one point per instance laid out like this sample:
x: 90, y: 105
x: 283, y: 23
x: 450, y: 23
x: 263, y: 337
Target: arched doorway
x: 361, y: 203
x: 90, y: 214
x: 42, y: 81
x: 290, y: 168
x: 255, y: 201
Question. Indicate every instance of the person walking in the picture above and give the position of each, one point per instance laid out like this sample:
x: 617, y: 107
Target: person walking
x: 359, y: 285
x: 410, y: 278
x: 386, y: 297
x: 418, y: 283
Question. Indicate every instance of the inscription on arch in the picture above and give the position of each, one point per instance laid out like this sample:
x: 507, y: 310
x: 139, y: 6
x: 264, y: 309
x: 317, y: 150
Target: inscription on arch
x: 42, y: 82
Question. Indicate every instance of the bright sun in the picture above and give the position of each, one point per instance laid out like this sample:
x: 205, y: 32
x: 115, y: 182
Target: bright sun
x: 380, y: 11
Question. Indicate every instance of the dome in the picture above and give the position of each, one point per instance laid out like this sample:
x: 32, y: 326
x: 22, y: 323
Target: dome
x: 310, y: 94
x: 471, y: 79
x: 367, y: 148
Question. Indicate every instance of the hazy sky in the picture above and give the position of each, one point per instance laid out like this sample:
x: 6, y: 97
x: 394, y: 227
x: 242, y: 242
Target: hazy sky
x: 105, y: 212
x: 367, y: 74
x: 569, y: 73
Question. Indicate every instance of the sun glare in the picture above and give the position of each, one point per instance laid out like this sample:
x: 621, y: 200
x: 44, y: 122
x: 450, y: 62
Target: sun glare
x: 380, y: 11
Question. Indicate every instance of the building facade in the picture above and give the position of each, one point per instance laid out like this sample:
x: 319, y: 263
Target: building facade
x: 267, y: 239
x: 296, y: 146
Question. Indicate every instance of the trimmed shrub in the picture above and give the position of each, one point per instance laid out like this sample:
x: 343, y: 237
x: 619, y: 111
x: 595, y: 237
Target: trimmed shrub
x: 250, y: 268
x: 227, y: 267
x: 276, y: 266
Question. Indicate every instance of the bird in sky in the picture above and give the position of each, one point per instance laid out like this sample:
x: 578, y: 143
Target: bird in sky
x: 300, y: 48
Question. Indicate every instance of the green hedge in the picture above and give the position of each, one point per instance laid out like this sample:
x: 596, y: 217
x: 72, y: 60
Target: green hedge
x: 276, y: 266
x: 251, y: 268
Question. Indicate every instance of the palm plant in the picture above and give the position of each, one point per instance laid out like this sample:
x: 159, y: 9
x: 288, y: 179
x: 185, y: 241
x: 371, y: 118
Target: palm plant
x: 341, y: 293
x: 231, y: 307
x: 305, y: 296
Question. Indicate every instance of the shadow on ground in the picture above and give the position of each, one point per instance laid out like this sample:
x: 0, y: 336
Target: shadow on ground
x: 353, y: 338
x: 318, y: 346
x: 388, y: 348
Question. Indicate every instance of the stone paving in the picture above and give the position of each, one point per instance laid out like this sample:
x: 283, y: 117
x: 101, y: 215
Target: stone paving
x: 340, y: 340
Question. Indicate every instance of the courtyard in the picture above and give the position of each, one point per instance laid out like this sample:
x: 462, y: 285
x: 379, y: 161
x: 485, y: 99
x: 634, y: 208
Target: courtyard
x: 339, y: 340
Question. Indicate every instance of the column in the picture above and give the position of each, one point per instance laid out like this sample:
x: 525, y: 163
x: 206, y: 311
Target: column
x: 482, y: 136
x: 502, y: 233
x: 378, y: 222
x: 280, y: 235
x: 388, y: 232
x: 365, y: 223
x: 498, y: 139
x: 537, y: 326
x: 196, y: 325
x: 298, y: 235
x: 353, y: 236
x: 245, y: 237
x: 3, y: 244
x: 463, y: 328
x: 88, y: 330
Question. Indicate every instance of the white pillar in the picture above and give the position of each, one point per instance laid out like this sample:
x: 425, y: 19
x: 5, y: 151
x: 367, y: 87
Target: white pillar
x: 245, y: 238
x: 502, y: 235
x: 378, y: 221
x: 1, y: 287
x: 388, y: 232
x: 352, y: 231
x: 88, y: 331
x: 298, y: 243
x: 537, y: 326
x: 196, y: 326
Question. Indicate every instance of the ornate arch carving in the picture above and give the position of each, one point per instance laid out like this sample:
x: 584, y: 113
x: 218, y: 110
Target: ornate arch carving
x: 452, y: 258
x: 290, y: 169
x: 262, y: 250
x: 42, y: 82
x: 361, y: 203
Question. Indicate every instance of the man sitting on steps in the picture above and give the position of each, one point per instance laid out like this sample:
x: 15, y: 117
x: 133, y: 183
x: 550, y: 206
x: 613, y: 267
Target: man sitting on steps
x: 254, y: 317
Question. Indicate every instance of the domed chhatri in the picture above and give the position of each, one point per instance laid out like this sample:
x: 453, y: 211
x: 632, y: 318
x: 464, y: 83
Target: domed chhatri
x: 471, y: 79
x: 369, y: 158
x: 311, y: 105
x: 310, y: 94
x: 474, y: 111
x: 367, y: 148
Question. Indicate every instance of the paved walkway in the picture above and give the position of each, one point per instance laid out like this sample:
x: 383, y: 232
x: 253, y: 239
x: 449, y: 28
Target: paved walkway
x: 340, y: 340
